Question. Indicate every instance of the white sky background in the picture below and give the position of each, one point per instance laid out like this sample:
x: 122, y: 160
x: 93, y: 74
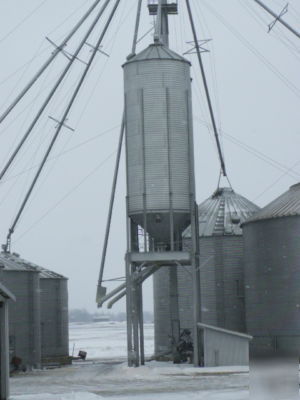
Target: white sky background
x: 256, y: 103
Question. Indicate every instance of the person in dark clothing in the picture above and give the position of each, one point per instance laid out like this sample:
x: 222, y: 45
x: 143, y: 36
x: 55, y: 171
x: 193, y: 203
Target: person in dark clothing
x: 184, y: 348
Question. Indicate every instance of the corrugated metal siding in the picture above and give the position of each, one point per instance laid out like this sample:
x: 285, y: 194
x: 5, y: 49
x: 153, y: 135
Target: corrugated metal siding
x: 162, y: 311
x: 272, y: 276
x: 222, y: 289
x: 47, y: 296
x: 222, y: 283
x: 54, y: 318
x: 24, y: 321
x: 223, y: 349
x: 288, y: 204
x: 158, y: 135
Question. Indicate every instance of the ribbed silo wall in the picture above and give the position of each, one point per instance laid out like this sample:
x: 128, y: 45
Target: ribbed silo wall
x: 222, y: 284
x: 159, y: 144
x: 272, y: 289
x: 222, y: 289
x: 54, y: 320
x: 166, y: 318
x: 24, y: 316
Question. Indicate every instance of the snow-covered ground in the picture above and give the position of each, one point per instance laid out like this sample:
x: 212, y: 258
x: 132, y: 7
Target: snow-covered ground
x: 105, y: 373
x: 105, y: 340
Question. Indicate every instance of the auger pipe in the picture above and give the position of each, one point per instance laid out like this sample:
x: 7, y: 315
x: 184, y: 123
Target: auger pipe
x: 123, y: 293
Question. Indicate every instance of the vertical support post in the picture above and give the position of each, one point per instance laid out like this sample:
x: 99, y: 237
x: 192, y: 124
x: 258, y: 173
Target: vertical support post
x: 164, y: 24
x: 195, y: 251
x: 196, y: 284
x: 4, y: 352
x: 128, y: 311
x: 128, y: 288
x: 135, y: 319
x: 141, y: 322
x: 157, y: 33
x: 174, y: 306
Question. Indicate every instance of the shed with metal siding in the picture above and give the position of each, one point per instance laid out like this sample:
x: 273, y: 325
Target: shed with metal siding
x: 24, y: 323
x: 272, y: 274
x: 223, y: 347
x: 221, y: 266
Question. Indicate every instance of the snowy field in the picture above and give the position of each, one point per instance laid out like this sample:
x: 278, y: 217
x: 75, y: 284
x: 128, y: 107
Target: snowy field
x: 105, y: 375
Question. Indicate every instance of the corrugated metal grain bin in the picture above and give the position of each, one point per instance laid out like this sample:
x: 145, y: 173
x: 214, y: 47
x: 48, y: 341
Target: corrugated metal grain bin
x: 159, y: 142
x: 40, y: 315
x: 272, y: 274
x: 24, y: 322
x: 54, y: 317
x: 221, y: 259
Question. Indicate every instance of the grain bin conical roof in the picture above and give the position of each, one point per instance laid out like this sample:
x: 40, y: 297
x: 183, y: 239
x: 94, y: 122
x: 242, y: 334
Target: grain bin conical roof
x: 286, y: 205
x: 223, y: 212
x: 156, y: 51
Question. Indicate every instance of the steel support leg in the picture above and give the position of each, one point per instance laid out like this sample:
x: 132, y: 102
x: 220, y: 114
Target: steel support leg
x: 129, y: 312
x: 135, y: 319
x: 196, y: 282
x: 141, y: 324
x: 196, y: 310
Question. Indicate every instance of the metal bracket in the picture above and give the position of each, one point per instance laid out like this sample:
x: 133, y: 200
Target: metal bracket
x: 284, y: 11
x: 98, y: 49
x: 68, y: 55
x: 61, y: 123
x: 201, y: 43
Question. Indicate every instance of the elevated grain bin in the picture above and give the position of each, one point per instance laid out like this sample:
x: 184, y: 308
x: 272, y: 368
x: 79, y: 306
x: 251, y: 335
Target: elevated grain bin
x: 24, y: 321
x: 159, y: 143
x: 272, y: 274
x: 222, y: 280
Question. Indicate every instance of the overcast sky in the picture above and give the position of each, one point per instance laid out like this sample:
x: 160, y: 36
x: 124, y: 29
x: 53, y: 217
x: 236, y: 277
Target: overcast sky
x: 255, y: 85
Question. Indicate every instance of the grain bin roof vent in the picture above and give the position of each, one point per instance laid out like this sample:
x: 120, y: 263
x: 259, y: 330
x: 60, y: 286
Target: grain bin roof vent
x: 286, y: 205
x: 223, y: 212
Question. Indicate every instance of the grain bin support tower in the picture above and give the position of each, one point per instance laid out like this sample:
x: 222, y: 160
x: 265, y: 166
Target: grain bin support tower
x: 160, y: 173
